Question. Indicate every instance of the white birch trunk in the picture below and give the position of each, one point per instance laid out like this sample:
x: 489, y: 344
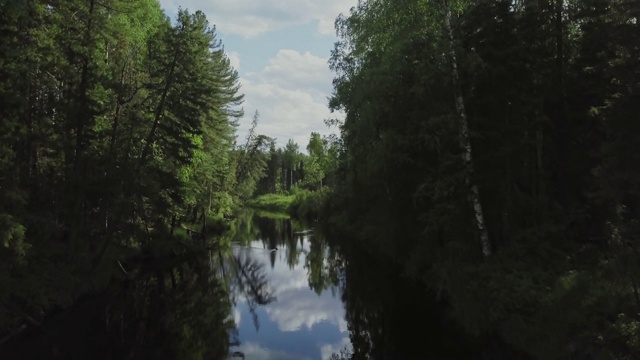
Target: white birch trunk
x: 464, y: 139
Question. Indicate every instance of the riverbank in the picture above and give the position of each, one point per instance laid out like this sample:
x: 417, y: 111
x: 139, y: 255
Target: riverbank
x: 304, y: 204
x: 278, y: 203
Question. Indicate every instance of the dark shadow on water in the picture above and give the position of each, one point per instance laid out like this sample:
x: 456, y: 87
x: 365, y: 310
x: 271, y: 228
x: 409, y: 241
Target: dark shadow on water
x: 392, y: 317
x: 164, y: 310
x: 180, y: 307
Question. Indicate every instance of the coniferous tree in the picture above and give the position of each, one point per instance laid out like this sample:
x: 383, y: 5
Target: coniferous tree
x: 115, y: 125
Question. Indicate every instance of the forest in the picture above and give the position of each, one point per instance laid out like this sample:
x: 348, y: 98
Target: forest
x: 117, y: 129
x: 491, y: 148
x: 486, y: 150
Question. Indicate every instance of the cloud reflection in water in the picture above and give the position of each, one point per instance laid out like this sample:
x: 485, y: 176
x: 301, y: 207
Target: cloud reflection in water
x: 300, y: 324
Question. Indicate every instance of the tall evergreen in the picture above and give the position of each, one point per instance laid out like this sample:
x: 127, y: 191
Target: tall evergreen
x: 115, y: 125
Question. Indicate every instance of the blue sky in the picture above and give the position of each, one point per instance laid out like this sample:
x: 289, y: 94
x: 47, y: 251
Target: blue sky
x: 280, y: 49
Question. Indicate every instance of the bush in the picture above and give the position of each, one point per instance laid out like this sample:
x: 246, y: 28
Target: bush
x: 308, y: 204
x: 272, y: 202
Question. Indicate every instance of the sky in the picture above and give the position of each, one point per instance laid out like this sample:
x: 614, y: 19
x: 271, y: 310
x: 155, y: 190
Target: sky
x: 280, y: 49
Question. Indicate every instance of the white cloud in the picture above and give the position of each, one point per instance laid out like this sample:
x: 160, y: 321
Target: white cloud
x: 328, y: 349
x: 300, y: 308
x: 293, y: 70
x: 255, y: 351
x: 290, y: 93
x: 236, y: 317
x: 250, y: 18
x: 234, y: 59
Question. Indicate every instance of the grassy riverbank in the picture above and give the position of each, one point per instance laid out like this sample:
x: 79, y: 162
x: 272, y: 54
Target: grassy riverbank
x: 272, y: 202
x: 301, y: 203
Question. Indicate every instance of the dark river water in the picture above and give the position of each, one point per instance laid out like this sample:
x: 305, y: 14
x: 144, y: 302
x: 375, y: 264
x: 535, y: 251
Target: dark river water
x: 332, y: 298
x: 273, y: 288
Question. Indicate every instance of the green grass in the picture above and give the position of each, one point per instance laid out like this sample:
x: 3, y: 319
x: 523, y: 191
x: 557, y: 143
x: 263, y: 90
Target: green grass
x: 272, y: 202
x: 272, y: 214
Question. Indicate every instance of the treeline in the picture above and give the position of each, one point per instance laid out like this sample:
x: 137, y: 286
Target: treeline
x: 491, y: 147
x: 288, y: 180
x: 287, y: 168
x: 117, y: 125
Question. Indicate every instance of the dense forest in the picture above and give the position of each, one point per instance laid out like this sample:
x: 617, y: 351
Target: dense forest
x: 491, y: 148
x: 117, y: 141
x: 488, y: 156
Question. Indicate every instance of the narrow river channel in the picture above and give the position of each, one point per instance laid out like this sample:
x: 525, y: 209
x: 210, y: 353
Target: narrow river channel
x: 274, y: 289
x: 305, y: 318
x: 320, y: 297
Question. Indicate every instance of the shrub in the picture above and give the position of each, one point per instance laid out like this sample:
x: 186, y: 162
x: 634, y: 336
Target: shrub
x: 272, y: 202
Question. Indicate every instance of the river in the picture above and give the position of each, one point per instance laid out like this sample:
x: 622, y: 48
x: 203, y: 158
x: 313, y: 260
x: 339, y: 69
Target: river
x: 306, y: 319
x: 269, y: 288
x: 332, y: 299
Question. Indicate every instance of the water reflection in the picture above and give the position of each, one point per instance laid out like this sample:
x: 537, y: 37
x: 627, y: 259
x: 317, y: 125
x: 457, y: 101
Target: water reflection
x: 256, y: 292
x: 391, y: 316
x: 269, y: 288
x: 163, y: 304
x: 305, y: 322
x: 248, y: 280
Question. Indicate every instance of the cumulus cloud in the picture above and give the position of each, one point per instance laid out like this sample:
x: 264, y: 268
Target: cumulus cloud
x: 290, y: 93
x: 255, y: 351
x: 328, y: 349
x: 292, y: 70
x: 297, y: 309
x: 234, y: 59
x: 250, y: 18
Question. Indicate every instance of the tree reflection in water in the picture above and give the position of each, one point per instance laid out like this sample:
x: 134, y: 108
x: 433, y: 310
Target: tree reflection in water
x: 389, y: 316
x: 249, y: 281
x: 165, y: 307
x: 176, y: 301
x: 173, y: 302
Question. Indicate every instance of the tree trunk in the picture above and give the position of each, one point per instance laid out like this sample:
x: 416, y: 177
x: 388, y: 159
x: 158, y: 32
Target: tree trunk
x: 538, y: 178
x: 464, y: 139
x: 562, y: 113
x: 210, y: 197
x: 81, y: 114
x: 159, y: 111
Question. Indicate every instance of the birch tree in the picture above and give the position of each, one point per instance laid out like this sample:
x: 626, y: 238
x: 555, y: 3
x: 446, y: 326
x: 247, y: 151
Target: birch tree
x: 464, y: 138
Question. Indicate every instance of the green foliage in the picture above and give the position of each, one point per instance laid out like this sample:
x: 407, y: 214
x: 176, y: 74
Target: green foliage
x: 251, y: 161
x: 288, y: 169
x: 117, y: 126
x: 344, y: 354
x: 309, y: 204
x: 12, y: 236
x: 628, y: 330
x: 272, y: 202
x: 549, y: 101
